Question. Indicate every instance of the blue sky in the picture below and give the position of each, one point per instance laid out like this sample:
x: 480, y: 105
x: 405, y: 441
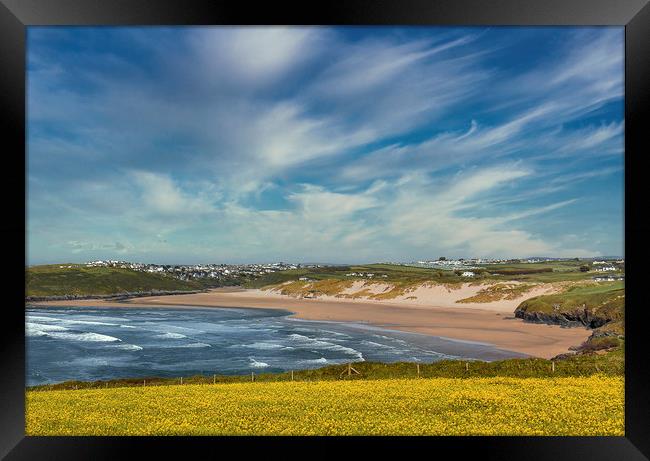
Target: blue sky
x: 225, y: 144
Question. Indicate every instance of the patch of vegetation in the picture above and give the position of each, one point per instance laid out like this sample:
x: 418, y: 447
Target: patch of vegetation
x: 390, y: 273
x: 79, y: 280
x: 400, y: 275
x: 498, y: 292
x: 583, y: 364
x: 545, y: 272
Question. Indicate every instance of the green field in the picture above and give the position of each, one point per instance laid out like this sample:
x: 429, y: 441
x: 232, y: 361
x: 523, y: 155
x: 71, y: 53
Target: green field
x: 79, y: 280
x: 591, y: 405
x: 546, y: 272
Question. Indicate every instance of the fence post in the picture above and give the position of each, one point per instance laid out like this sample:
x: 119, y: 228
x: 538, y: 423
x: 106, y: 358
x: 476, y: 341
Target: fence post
x: 553, y: 366
x: 181, y: 380
x: 214, y: 379
x: 144, y: 383
x: 466, y: 366
x: 291, y: 375
x: 252, y: 376
x: 418, y: 367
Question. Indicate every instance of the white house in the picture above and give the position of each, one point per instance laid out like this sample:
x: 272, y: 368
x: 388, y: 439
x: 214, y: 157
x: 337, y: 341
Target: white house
x: 606, y: 269
x: 467, y: 274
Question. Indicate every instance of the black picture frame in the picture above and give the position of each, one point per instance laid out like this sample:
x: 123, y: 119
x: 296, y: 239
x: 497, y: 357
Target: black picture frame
x: 16, y: 15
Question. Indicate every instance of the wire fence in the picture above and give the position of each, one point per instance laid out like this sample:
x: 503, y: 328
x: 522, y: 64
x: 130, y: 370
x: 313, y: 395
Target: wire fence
x: 523, y: 368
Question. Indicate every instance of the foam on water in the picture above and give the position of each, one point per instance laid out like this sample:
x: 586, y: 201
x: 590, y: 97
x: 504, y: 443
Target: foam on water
x: 40, y: 329
x: 128, y: 347
x: 320, y: 361
x: 84, y: 337
x: 255, y: 364
x: 265, y: 346
x: 171, y: 335
x: 318, y: 343
x: 195, y: 345
x: 87, y: 322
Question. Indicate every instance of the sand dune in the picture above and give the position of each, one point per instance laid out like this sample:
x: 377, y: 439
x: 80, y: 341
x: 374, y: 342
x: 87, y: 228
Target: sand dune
x: 426, y: 295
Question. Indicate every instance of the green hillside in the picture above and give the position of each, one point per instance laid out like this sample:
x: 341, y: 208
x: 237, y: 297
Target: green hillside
x: 79, y: 280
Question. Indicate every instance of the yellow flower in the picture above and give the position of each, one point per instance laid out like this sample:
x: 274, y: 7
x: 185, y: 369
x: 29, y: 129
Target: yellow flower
x: 439, y: 406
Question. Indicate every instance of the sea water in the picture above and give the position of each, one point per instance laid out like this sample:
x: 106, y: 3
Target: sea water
x: 92, y: 343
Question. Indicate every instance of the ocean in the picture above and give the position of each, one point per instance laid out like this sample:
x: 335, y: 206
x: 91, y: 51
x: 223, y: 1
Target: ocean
x: 92, y: 343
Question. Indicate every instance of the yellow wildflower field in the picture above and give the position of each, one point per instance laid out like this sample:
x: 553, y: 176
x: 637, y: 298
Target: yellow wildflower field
x: 438, y: 406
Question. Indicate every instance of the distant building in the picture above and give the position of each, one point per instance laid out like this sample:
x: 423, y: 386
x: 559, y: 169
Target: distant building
x: 467, y: 274
x: 608, y: 278
x: 606, y: 269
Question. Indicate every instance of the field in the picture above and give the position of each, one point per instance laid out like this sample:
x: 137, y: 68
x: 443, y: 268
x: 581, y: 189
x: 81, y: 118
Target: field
x: 79, y: 280
x: 54, y: 280
x: 436, y: 406
x: 404, y: 276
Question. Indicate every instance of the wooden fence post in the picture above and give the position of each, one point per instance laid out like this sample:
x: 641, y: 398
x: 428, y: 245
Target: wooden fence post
x: 466, y: 366
x: 291, y: 375
x: 553, y: 366
x: 214, y: 379
x: 144, y: 383
x: 418, y: 367
x: 252, y: 376
x: 181, y: 380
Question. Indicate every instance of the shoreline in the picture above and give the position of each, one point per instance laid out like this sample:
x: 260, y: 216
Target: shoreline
x: 493, y: 325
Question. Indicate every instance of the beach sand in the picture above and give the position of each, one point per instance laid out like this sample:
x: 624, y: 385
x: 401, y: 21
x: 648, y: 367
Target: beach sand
x: 492, y: 323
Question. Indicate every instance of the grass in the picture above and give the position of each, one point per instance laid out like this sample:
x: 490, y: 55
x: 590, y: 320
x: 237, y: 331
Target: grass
x: 610, y: 363
x: 546, y: 272
x: 76, y: 279
x: 498, y: 292
x: 591, y: 405
x: 393, y: 274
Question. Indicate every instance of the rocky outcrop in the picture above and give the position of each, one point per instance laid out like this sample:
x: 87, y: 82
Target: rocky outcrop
x: 579, y: 317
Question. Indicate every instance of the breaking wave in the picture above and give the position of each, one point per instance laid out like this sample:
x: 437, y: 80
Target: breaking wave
x: 128, y: 347
x: 255, y: 364
x: 318, y: 343
x: 171, y: 335
x: 193, y: 345
x: 84, y: 337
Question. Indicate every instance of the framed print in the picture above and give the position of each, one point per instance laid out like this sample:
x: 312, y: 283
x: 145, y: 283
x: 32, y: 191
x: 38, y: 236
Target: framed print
x: 373, y: 219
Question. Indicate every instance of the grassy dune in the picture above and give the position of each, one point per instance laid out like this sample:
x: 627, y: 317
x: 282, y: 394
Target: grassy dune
x: 59, y: 279
x: 435, y: 406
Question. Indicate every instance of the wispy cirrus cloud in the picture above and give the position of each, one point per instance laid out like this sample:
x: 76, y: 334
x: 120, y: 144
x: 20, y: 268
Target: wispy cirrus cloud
x: 337, y: 144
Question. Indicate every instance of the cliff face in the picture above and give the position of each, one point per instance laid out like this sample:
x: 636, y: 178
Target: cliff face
x: 573, y: 318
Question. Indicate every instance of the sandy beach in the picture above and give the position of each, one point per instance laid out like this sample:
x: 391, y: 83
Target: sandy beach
x: 493, y: 323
